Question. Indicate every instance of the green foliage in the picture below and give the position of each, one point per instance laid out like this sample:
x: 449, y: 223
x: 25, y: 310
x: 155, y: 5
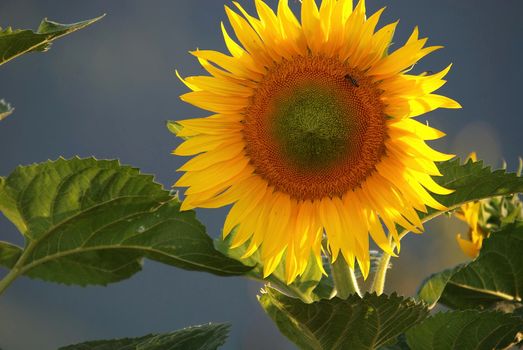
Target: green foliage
x: 495, y: 276
x: 9, y: 254
x: 14, y: 43
x: 496, y: 212
x: 90, y: 221
x: 471, y: 181
x: 5, y: 109
x: 205, y: 337
x: 355, y: 323
x: 432, y: 288
x: 466, y: 330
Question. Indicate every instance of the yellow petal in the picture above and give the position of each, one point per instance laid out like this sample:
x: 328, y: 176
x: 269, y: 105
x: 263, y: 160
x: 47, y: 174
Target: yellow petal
x: 204, y: 143
x: 469, y: 248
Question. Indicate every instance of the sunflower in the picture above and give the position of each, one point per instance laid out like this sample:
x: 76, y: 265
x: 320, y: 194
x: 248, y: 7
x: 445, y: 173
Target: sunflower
x: 470, y: 213
x: 312, y: 134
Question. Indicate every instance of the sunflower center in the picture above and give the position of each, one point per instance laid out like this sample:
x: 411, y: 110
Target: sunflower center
x: 315, y: 127
x: 311, y: 127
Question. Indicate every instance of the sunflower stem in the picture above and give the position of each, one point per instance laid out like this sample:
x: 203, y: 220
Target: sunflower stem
x: 378, y: 284
x: 344, y: 279
x: 16, y: 271
x: 8, y: 279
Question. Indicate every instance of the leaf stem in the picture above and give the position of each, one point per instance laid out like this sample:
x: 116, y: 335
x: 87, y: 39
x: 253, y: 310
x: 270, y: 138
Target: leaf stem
x: 378, y: 284
x: 17, y: 268
x: 8, y: 279
x: 344, y: 279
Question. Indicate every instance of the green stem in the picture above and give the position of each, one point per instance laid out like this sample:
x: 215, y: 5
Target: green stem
x: 378, y: 284
x: 17, y: 268
x: 8, y: 279
x: 344, y: 278
x: 294, y: 292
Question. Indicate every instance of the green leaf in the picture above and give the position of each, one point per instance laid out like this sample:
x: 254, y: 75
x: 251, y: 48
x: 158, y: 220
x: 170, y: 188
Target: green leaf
x: 355, y: 323
x: 432, y: 288
x: 464, y: 330
x: 9, y: 254
x: 401, y: 344
x: 14, y: 43
x: 5, y: 109
x: 90, y: 221
x: 205, y: 337
x: 495, y: 276
x: 303, y: 287
x: 470, y: 181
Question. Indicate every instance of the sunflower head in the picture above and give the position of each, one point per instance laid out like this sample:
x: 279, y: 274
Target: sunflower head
x: 312, y: 133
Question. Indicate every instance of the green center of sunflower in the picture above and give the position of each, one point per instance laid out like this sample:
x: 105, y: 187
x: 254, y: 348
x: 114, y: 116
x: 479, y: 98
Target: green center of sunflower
x: 312, y: 128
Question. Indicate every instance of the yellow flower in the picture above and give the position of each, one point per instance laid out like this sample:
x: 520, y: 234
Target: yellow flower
x: 469, y: 212
x: 311, y: 134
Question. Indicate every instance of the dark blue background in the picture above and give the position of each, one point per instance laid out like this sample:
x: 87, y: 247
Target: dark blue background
x: 108, y: 90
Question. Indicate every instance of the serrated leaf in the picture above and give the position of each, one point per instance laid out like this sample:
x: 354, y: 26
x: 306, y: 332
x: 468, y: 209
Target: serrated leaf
x: 355, y: 323
x: 466, y: 330
x: 14, y: 43
x: 471, y: 181
x: 90, y: 221
x: 205, y: 337
x: 495, y: 276
x: 5, y: 109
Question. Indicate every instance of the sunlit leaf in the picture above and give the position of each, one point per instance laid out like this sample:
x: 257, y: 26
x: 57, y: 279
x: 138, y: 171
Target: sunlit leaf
x: 355, y: 323
x: 471, y: 181
x: 205, y: 337
x: 14, y: 43
x: 466, y: 330
x: 495, y: 276
x: 432, y: 288
x: 90, y: 221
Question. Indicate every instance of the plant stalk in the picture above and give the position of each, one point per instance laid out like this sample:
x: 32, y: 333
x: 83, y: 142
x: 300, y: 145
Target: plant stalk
x: 16, y: 270
x: 344, y: 278
x: 378, y: 284
x: 8, y: 279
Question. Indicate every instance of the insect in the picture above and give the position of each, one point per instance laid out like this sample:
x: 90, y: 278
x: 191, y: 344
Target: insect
x: 353, y: 81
